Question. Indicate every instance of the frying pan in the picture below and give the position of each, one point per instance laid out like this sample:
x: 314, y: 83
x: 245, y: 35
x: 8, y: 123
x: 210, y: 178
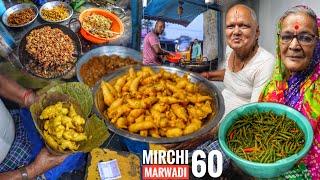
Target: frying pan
x: 25, y: 57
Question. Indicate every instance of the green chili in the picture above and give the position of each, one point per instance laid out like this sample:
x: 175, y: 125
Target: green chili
x: 265, y: 137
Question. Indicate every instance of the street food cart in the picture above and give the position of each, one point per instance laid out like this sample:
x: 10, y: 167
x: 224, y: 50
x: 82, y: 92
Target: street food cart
x: 183, y: 12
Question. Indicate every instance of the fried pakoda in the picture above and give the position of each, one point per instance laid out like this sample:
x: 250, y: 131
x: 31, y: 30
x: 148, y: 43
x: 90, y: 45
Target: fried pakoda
x: 63, y: 127
x: 157, y: 104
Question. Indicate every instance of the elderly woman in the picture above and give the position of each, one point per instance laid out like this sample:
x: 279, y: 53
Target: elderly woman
x: 296, y: 77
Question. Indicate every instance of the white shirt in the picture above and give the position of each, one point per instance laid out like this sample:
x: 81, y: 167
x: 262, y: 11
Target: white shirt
x: 7, y: 131
x: 246, y: 85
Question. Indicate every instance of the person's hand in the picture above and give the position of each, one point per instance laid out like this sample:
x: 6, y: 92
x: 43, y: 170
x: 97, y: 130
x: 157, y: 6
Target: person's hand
x: 45, y: 161
x: 30, y: 98
x: 205, y: 74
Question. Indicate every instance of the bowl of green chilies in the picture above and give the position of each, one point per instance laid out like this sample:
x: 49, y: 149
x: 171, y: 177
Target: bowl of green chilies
x: 265, y: 139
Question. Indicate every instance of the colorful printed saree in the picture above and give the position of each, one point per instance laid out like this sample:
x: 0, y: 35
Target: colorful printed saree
x: 302, y: 92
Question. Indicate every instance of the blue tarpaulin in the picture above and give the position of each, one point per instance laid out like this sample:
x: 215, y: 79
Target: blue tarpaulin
x: 167, y: 10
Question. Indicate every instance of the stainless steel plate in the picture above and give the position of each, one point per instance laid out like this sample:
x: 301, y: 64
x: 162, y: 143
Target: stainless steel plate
x: 107, y: 50
x: 17, y: 8
x: 204, y: 85
x: 50, y: 5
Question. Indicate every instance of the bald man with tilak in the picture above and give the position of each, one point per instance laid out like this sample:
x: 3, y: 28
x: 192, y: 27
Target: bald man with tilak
x: 247, y: 69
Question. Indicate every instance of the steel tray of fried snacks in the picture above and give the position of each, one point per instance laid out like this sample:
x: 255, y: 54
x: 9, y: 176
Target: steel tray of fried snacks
x: 121, y: 51
x: 53, y: 4
x: 205, y: 87
x: 16, y: 9
x: 26, y: 58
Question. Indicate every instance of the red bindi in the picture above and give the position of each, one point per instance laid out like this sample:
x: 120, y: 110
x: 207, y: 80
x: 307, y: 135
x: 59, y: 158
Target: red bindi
x: 296, y: 26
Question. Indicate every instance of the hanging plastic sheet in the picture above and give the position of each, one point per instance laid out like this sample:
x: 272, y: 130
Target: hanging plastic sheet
x: 167, y: 10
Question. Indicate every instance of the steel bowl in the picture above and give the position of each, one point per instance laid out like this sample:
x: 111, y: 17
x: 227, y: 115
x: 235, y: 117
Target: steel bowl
x: 50, y: 5
x: 205, y: 86
x: 106, y: 50
x: 120, y: 12
x: 17, y: 8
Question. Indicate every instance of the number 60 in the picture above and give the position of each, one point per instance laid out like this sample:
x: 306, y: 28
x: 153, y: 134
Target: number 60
x: 202, y: 163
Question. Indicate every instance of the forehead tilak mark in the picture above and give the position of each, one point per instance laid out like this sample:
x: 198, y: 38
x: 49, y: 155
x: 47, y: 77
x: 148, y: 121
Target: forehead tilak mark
x: 236, y: 15
x: 296, y: 25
